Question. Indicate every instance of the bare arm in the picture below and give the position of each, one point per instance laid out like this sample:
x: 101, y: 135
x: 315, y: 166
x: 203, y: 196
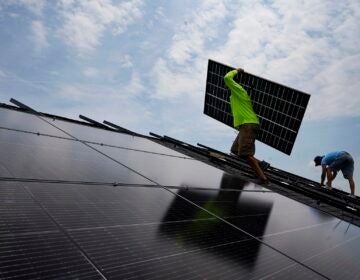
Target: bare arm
x: 329, y: 176
x: 323, y: 175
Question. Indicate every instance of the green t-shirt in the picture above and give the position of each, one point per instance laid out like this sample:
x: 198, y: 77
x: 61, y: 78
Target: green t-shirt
x: 241, y: 106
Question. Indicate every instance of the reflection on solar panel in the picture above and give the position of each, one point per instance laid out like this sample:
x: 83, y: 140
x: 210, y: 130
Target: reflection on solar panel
x: 165, y: 216
x: 280, y: 109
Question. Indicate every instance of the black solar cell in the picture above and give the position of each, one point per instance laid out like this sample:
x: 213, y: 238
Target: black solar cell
x: 31, y: 156
x: 42, y: 256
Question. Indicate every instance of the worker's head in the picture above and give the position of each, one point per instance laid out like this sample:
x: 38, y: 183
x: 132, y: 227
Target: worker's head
x: 318, y: 160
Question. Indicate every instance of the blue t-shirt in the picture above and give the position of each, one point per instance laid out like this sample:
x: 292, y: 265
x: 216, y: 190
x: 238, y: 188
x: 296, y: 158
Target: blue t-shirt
x: 331, y: 157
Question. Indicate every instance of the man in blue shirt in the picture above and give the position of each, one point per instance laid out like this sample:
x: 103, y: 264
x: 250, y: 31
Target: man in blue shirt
x: 331, y: 163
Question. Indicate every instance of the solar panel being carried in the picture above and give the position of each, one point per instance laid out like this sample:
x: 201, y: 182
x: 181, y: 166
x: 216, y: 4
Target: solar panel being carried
x: 280, y: 109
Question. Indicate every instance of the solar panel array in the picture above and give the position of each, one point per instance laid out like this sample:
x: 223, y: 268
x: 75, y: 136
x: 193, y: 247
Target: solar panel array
x: 117, y: 206
x: 280, y: 109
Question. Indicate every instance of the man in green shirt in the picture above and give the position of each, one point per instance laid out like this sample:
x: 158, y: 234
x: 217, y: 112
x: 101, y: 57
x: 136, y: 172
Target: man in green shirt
x: 246, y: 121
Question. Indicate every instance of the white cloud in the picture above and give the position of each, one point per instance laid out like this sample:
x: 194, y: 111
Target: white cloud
x: 182, y: 71
x: 35, y: 6
x: 308, y: 45
x: 126, y: 63
x: 73, y: 93
x: 13, y: 15
x: 108, y: 73
x: 40, y: 35
x: 102, y: 102
x: 339, y: 90
x: 135, y: 86
x: 123, y: 61
x: 37, y: 27
x: 200, y: 27
x: 90, y: 72
x: 2, y: 74
x: 81, y: 32
x: 78, y: 92
x: 170, y: 84
x: 86, y: 21
x: 159, y: 14
x: 16, y: 80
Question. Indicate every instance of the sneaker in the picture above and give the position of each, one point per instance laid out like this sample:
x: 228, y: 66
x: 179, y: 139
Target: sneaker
x: 327, y: 187
x: 264, y: 165
x: 262, y: 181
x: 351, y: 195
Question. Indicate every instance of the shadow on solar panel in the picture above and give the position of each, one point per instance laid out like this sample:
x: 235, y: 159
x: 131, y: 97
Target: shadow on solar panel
x: 280, y: 109
x: 226, y: 205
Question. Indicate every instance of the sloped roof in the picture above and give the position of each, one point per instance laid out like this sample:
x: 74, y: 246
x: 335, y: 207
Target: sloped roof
x: 82, y: 201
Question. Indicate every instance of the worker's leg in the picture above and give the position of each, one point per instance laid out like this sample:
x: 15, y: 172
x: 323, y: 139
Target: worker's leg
x: 254, y: 163
x: 352, y: 185
x: 235, y: 146
x: 246, y: 147
x: 348, y: 171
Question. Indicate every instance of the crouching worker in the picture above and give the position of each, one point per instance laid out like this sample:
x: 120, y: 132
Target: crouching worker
x: 331, y: 163
x: 246, y: 121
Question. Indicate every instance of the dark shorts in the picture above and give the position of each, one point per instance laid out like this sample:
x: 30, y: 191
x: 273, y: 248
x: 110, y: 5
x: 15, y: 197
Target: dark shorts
x: 345, y: 163
x: 244, y: 144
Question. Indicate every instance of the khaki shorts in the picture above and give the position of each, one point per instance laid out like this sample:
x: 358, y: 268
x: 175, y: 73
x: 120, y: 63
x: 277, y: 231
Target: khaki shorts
x: 244, y: 144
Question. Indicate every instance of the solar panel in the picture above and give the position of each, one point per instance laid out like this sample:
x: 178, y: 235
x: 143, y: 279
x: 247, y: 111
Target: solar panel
x: 87, y: 231
x: 280, y: 109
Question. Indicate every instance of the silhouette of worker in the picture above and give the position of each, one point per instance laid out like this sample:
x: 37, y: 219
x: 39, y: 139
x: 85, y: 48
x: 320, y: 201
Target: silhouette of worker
x: 331, y: 163
x: 246, y: 121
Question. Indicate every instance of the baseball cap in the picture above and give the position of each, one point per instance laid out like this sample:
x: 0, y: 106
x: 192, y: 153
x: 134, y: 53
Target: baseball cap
x: 318, y: 160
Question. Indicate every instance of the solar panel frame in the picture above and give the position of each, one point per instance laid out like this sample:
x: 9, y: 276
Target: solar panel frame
x: 280, y: 108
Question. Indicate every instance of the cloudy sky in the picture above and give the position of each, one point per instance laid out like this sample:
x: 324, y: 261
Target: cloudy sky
x: 142, y: 64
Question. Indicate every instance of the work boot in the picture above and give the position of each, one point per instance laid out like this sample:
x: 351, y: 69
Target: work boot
x: 264, y: 165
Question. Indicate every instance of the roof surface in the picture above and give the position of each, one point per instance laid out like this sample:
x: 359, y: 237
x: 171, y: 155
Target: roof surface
x: 80, y: 201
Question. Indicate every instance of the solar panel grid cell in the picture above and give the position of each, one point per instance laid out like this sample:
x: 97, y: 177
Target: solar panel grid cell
x: 274, y: 104
x: 209, y: 263
x: 76, y: 208
x: 319, y: 255
x: 58, y: 159
x: 42, y: 256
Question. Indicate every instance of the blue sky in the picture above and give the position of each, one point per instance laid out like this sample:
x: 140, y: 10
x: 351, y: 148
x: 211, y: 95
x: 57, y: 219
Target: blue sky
x: 142, y: 64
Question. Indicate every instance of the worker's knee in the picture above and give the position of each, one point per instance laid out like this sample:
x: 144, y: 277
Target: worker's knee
x: 248, y: 157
